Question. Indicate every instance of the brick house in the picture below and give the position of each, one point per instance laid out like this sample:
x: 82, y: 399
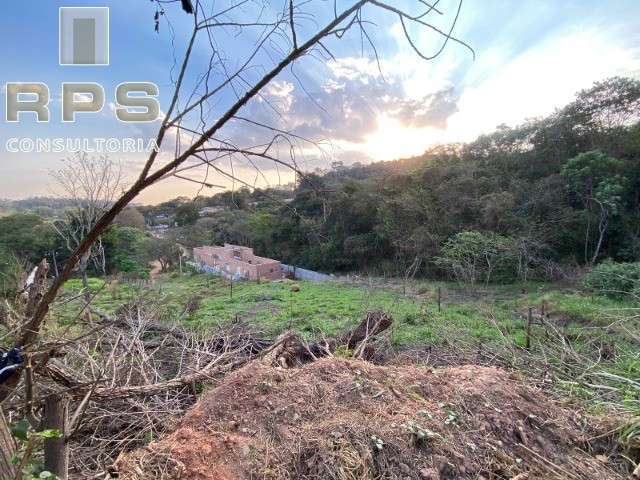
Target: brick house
x: 238, y: 262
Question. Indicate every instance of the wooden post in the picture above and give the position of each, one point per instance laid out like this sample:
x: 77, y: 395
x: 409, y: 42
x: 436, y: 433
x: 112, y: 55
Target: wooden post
x: 56, y: 450
x: 542, y: 319
x: 55, y: 263
x: 529, y: 322
x: 439, y: 299
x: 231, y: 288
x: 7, y: 450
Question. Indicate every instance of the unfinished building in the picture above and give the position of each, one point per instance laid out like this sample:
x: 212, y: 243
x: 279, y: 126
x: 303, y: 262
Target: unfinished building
x: 237, y: 262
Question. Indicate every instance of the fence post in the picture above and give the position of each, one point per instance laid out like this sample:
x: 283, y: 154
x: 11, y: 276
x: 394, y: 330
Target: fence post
x: 439, y: 299
x: 529, y: 322
x: 56, y: 450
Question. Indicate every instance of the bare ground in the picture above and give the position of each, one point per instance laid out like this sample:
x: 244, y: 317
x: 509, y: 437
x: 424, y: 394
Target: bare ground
x: 351, y: 420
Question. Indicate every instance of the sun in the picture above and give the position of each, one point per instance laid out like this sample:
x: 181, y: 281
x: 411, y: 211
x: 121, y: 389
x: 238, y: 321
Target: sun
x: 392, y: 139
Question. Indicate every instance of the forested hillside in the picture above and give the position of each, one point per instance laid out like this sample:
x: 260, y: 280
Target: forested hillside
x: 530, y: 202
x: 553, y: 193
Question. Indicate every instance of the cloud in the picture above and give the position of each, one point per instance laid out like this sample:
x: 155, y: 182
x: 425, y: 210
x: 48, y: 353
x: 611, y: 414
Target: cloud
x: 541, y: 79
x: 432, y: 110
x: 346, y: 105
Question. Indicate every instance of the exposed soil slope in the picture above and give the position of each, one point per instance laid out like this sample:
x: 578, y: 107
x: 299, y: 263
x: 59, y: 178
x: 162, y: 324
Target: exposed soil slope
x: 352, y: 420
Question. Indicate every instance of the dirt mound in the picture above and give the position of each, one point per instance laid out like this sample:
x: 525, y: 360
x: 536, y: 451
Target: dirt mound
x: 351, y: 420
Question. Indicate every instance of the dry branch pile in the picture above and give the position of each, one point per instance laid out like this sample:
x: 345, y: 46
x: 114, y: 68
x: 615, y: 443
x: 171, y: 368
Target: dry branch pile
x: 141, y: 377
x: 126, y: 381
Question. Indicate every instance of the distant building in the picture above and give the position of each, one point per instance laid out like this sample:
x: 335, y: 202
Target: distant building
x: 209, y: 211
x: 159, y: 231
x: 237, y: 262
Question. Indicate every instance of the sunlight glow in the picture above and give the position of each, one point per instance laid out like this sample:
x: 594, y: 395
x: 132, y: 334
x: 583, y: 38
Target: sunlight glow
x: 392, y: 140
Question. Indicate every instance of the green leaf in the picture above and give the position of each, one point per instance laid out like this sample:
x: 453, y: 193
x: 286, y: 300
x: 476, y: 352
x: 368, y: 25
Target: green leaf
x: 50, y: 433
x: 20, y: 430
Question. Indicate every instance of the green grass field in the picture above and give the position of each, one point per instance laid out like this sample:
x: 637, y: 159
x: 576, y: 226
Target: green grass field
x: 492, y: 318
x: 485, y: 315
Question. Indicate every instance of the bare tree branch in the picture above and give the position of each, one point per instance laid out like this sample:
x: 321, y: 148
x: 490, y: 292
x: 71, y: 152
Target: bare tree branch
x: 277, y: 38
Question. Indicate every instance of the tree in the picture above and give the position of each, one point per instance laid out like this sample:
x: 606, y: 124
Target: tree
x: 131, y: 217
x: 234, y: 199
x: 186, y: 214
x: 92, y: 185
x: 12, y: 273
x: 469, y: 256
x: 165, y: 251
x: 125, y: 250
x: 607, y: 106
x: 27, y: 236
x: 596, y: 180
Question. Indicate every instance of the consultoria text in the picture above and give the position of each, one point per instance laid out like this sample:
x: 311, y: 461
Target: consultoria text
x: 88, y: 145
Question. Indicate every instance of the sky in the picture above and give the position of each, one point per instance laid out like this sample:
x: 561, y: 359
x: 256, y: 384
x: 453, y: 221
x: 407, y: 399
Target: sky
x: 529, y: 57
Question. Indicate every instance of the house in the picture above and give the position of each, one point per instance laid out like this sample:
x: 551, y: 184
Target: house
x: 159, y: 231
x: 210, y: 211
x: 160, y: 218
x: 238, y: 262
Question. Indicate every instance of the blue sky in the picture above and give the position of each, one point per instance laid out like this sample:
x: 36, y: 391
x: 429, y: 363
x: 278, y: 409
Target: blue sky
x: 531, y: 57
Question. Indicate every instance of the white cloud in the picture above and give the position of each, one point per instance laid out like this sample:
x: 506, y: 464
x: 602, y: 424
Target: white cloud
x: 540, y: 80
x: 502, y: 85
x: 281, y: 93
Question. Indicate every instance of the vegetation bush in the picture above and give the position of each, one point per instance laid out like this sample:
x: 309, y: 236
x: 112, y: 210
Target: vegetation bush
x: 12, y: 272
x: 125, y: 252
x: 473, y: 256
x: 615, y: 280
x: 27, y: 235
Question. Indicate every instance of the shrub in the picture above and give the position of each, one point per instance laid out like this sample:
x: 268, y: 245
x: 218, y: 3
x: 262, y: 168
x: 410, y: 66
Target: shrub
x: 473, y: 256
x: 12, y: 273
x: 615, y: 280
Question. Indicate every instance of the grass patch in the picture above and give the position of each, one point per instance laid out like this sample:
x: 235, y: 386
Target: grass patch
x: 488, y: 316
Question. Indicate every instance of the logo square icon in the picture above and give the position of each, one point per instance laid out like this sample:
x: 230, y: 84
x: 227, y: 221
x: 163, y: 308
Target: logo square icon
x: 84, y: 36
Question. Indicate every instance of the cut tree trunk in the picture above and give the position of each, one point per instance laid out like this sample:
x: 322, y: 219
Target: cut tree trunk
x: 289, y: 350
x: 374, y: 323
